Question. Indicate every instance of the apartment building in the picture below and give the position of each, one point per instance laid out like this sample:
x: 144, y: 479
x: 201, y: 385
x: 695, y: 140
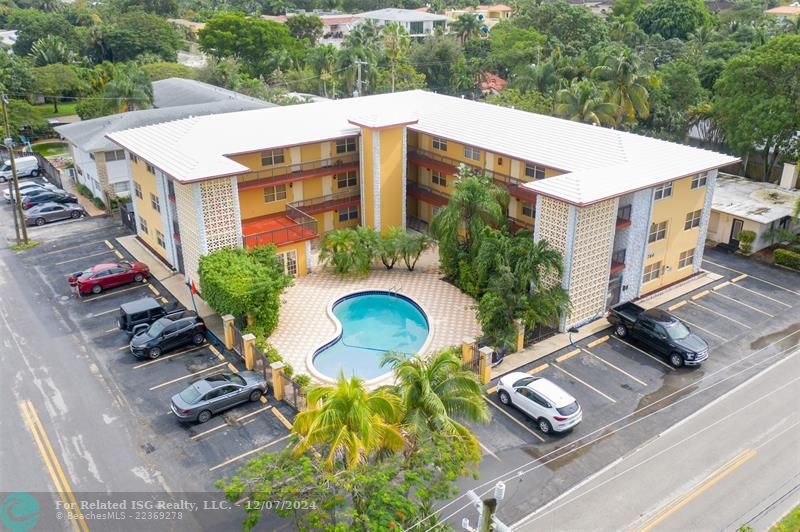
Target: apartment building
x: 628, y: 213
x: 416, y: 23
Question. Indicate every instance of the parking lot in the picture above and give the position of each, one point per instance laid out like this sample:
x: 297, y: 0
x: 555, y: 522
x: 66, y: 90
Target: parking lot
x: 192, y: 456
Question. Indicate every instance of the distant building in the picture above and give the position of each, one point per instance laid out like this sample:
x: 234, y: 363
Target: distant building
x: 491, y: 83
x: 790, y: 12
x: 489, y: 15
x: 416, y: 23
x: 8, y: 38
x: 335, y: 26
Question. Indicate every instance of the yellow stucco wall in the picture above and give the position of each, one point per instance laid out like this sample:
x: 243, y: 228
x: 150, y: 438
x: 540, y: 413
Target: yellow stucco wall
x: 391, y: 177
x: 673, y: 210
x: 367, y: 190
x: 300, y: 248
x: 147, y: 182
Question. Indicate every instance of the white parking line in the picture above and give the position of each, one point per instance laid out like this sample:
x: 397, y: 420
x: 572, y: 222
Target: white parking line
x: 604, y: 361
x: 702, y: 329
x: 109, y: 294
x: 489, y: 451
x: 760, y: 294
x: 228, y: 425
x: 98, y: 314
x: 645, y: 352
x: 585, y: 383
x: 512, y: 418
x: 71, y: 248
x: 721, y: 315
x: 189, y: 376
x: 168, y: 357
x: 84, y: 257
x: 744, y: 304
x: 752, y: 277
x: 248, y: 453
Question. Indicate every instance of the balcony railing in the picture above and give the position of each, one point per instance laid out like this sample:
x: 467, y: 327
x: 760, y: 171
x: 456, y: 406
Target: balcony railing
x: 426, y: 194
x: 328, y: 203
x: 618, y: 261
x: 624, y: 216
x: 304, y: 228
x: 296, y: 172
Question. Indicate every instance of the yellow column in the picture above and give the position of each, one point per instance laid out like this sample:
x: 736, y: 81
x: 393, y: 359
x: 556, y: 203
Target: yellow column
x: 467, y: 350
x: 227, y: 325
x: 520, y: 327
x: 249, y: 341
x: 277, y: 380
x: 486, y: 365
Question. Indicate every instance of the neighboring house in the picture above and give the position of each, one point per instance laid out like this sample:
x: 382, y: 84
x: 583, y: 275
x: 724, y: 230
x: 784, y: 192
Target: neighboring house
x: 335, y: 26
x: 8, y: 38
x: 791, y: 12
x: 99, y: 163
x: 491, y: 83
x: 743, y: 204
x: 628, y: 213
x: 488, y: 15
x: 416, y: 23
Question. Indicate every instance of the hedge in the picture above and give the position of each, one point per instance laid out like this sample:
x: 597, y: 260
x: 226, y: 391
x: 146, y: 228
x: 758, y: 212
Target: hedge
x: 787, y: 258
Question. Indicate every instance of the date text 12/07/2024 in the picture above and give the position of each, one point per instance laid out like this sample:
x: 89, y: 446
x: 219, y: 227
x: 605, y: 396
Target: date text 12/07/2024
x: 256, y: 505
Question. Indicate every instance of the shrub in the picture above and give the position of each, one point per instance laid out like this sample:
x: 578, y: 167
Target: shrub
x: 84, y: 191
x: 746, y: 239
x: 787, y: 258
x: 390, y: 246
x: 302, y: 380
x: 98, y: 203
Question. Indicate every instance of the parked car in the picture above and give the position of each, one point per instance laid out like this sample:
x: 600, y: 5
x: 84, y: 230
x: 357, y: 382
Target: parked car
x: 27, y: 186
x: 107, y: 275
x: 659, y: 331
x: 47, y: 197
x: 52, y: 212
x: 168, y: 333
x: 26, y: 166
x: 209, y: 396
x: 137, y: 316
x: 553, y: 409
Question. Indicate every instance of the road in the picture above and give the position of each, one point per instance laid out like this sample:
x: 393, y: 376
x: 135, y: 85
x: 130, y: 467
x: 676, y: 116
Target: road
x: 735, y: 463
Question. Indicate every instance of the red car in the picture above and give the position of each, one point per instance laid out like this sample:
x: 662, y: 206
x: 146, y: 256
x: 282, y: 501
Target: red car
x: 108, y: 275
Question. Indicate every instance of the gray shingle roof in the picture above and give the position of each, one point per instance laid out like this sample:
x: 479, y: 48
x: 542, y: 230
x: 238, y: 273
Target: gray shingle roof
x: 172, y: 92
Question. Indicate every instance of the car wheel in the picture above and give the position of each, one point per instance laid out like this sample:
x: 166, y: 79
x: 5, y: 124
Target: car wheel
x: 621, y: 331
x: 504, y: 397
x: 545, y: 426
x: 96, y: 289
x: 75, y: 214
x: 154, y: 352
x: 40, y: 221
x: 676, y: 360
x: 198, y: 338
x: 203, y: 416
x: 255, y: 395
x: 138, y: 278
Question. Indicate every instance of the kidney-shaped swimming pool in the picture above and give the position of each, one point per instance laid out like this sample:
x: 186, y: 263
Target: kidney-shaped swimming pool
x: 372, y: 323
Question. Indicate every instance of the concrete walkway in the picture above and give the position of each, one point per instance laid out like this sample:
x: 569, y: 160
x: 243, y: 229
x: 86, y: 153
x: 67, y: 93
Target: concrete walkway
x: 69, y: 186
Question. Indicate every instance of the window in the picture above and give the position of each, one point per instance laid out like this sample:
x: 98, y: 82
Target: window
x: 439, y: 144
x: 143, y: 225
x: 116, y: 155
x: 535, y: 172
x: 268, y: 158
x: 415, y: 28
x: 346, y: 180
x: 472, y: 153
x: 437, y: 178
x: 699, y: 180
x: 134, y: 158
x: 499, y: 161
x: 121, y: 188
x: 346, y: 145
x: 692, y: 220
x: 686, y: 258
x: 651, y: 272
x: 527, y: 210
x: 150, y: 168
x: 137, y: 188
x: 351, y: 213
x: 276, y: 193
x: 160, y: 239
x: 154, y: 202
x: 664, y: 191
x: 657, y: 232
x: 289, y: 262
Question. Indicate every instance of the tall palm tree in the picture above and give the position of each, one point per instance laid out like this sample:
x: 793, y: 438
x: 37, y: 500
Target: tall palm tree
x: 349, y: 423
x: 624, y: 86
x: 362, y: 44
x: 542, y: 78
x: 323, y: 61
x: 130, y: 88
x: 581, y: 101
x: 395, y: 46
x: 436, y: 392
x: 466, y: 27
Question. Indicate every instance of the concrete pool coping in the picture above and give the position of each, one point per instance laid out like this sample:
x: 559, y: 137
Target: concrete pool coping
x: 381, y: 380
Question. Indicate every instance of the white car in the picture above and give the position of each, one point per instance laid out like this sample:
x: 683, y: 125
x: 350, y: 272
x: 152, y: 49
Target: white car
x: 28, y: 185
x: 553, y: 409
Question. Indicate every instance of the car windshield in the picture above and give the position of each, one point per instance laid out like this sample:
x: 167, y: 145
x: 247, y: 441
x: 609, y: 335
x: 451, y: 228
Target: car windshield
x: 677, y: 330
x: 569, y: 409
x: 524, y: 382
x: 157, y: 328
x: 236, y: 379
x: 190, y: 394
x: 86, y: 273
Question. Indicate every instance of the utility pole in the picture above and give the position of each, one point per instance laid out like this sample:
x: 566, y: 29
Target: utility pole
x: 486, y: 508
x: 358, y: 91
x: 19, y: 219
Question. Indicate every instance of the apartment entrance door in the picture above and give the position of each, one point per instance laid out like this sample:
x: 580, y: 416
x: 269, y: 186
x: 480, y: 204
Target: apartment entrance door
x: 736, y: 228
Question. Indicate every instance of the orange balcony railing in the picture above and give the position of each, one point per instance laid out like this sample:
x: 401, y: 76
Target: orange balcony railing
x: 296, y: 172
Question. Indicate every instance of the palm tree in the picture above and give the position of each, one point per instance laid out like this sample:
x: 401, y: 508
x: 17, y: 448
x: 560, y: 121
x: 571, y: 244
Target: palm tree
x: 349, y: 423
x: 581, y: 101
x: 624, y: 86
x: 323, y: 61
x: 542, y: 78
x: 51, y: 49
x: 395, y: 46
x: 130, y: 88
x: 466, y: 26
x: 337, y: 250
x: 436, y: 392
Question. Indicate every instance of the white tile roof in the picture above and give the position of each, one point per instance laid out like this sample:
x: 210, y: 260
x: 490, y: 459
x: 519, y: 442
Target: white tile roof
x: 401, y: 15
x: 599, y: 160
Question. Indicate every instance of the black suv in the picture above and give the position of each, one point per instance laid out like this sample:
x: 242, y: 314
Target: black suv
x: 168, y: 333
x: 137, y: 316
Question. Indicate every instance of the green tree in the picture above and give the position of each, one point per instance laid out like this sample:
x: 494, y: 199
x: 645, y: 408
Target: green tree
x: 129, y: 89
x: 135, y: 33
x: 625, y: 88
x: 162, y: 8
x: 323, y: 63
x: 390, y: 246
x: 757, y: 101
x: 582, y: 101
x: 575, y: 27
x: 514, y: 46
x: 350, y: 251
x: 302, y: 26
x: 32, y: 25
x: 673, y: 18
x: 411, y: 247
x: 57, y: 81
x: 348, y: 423
x: 159, y: 71
x: 438, y: 58
x: 675, y: 97
x: 466, y: 27
x: 626, y: 8
x: 16, y: 74
x: 543, y: 78
x: 51, y: 49
x: 531, y: 101
x: 396, y: 43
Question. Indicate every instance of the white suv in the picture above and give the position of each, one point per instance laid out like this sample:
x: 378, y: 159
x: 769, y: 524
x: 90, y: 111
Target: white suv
x: 553, y: 409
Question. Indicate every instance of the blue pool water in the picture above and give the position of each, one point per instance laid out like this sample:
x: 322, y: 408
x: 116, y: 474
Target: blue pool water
x: 372, y: 323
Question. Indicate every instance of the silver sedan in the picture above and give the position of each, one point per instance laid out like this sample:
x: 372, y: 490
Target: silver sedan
x: 216, y: 393
x: 52, y: 212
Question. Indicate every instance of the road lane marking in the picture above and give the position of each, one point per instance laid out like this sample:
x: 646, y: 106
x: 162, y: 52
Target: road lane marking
x: 124, y: 347
x: 598, y: 341
x: 515, y: 420
x: 164, y: 300
x: 248, y: 453
x: 568, y: 355
x: 153, y: 289
x: 226, y: 424
x: 489, y: 451
x: 168, y: 357
x: 189, y: 376
x: 721, y: 285
x: 119, y: 255
x: 216, y: 352
x: 699, y: 295
x: 232, y: 368
x: 762, y: 295
x: 745, y: 304
x: 604, y: 361
x: 108, y: 244
x: 726, y: 469
x: 722, y: 315
x: 70, y: 248
x: 491, y: 390
x: 282, y: 418
x: 109, y: 294
x: 737, y: 279
x: 43, y: 442
x: 677, y: 305
x: 646, y: 353
x: 585, y: 383
x: 98, y: 314
x: 745, y: 275
x: 84, y: 257
x: 537, y: 369
x: 115, y: 329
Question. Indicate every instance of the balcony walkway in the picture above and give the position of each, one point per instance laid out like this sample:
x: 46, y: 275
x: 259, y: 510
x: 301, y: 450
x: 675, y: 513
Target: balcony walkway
x: 276, y: 229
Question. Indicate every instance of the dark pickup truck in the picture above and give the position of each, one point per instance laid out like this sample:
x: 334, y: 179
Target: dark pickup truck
x: 660, y: 332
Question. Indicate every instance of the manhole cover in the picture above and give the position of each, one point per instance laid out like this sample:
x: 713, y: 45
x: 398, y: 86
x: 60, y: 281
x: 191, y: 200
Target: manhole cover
x: 148, y: 448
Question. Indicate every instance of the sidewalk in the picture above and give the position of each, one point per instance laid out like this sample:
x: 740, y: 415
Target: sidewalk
x: 86, y: 203
x: 173, y: 282
x: 562, y: 340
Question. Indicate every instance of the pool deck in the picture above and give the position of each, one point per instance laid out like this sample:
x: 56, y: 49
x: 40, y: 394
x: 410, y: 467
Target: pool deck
x: 304, y: 324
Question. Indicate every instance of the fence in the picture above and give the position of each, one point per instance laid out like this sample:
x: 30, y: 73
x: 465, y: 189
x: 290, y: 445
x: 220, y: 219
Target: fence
x: 474, y: 364
x: 539, y: 333
x: 127, y: 216
x: 293, y: 394
x: 238, y: 342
